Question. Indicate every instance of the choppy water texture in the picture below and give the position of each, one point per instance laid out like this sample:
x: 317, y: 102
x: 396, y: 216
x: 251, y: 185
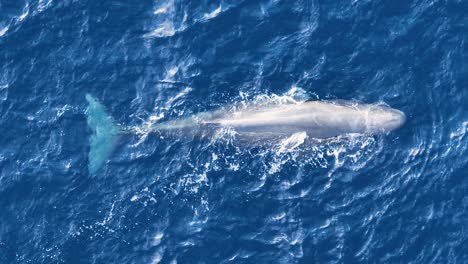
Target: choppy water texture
x: 395, y: 198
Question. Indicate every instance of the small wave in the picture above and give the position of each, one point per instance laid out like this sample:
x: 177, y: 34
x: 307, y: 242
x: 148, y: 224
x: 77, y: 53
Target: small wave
x: 213, y: 14
x: 166, y: 29
x: 23, y: 16
x: 170, y: 24
x: 3, y: 31
x: 43, y: 4
x: 157, y: 238
x: 157, y: 257
x: 26, y: 11
x: 164, y: 8
x: 170, y: 74
x: 165, y: 17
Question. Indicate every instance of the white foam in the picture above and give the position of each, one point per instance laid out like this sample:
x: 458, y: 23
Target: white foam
x: 4, y: 30
x: 170, y: 74
x: 274, y: 168
x: 458, y: 139
x: 279, y: 238
x: 43, y: 4
x: 63, y: 109
x: 24, y: 14
x: 295, y: 95
x: 461, y: 131
x: 202, y: 178
x: 146, y: 128
x: 67, y: 165
x: 164, y: 8
x: 147, y: 125
x: 213, y: 14
x: 108, y: 217
x: 156, y: 258
x: 326, y: 224
x: 278, y: 217
x: 165, y: 29
x: 157, y: 238
x: 234, y: 167
x: 179, y: 95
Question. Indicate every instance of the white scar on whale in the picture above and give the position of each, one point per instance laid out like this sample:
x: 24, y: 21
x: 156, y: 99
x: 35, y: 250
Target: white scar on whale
x: 318, y: 119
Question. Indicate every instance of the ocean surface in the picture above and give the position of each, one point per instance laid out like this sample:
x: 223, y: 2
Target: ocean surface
x: 65, y: 197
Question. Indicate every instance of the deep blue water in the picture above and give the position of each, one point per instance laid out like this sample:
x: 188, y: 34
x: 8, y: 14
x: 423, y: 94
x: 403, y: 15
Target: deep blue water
x: 395, y: 198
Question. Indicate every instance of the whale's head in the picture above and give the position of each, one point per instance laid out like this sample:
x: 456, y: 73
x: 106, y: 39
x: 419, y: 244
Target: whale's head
x: 387, y: 119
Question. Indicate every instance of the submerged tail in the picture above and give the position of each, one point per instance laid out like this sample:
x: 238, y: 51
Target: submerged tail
x: 104, y: 135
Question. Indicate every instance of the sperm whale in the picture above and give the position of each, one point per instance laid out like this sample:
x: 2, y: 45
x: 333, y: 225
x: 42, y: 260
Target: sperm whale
x: 319, y: 119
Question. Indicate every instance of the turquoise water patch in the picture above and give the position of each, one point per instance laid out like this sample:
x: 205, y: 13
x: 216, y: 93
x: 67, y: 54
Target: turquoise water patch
x: 104, y: 134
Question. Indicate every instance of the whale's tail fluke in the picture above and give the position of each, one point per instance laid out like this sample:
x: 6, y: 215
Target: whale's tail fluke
x: 104, y: 134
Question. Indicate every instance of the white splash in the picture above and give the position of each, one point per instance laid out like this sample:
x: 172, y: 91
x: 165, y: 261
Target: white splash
x: 291, y: 143
x: 234, y: 167
x: 287, y: 145
x: 295, y: 95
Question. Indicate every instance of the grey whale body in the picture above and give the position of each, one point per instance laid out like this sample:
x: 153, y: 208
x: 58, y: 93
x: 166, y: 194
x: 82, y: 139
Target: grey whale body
x: 318, y: 119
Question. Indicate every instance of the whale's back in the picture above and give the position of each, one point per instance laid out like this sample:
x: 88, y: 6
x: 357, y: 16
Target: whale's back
x: 318, y: 119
